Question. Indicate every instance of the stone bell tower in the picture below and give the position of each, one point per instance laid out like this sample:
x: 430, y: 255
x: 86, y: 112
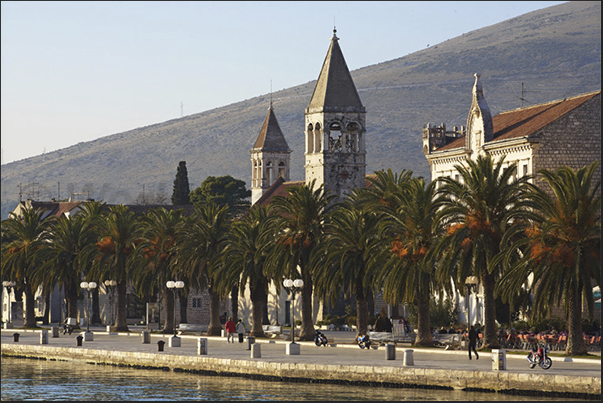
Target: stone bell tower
x: 335, y: 128
x: 270, y: 157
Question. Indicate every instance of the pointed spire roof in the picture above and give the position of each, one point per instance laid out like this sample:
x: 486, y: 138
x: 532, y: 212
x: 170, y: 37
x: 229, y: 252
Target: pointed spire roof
x: 271, y: 137
x: 335, y: 90
x: 479, y: 113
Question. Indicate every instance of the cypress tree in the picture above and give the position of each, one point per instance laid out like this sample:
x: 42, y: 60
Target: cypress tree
x: 181, y: 195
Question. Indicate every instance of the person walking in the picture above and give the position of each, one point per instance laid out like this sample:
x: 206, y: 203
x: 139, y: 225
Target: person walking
x: 473, y: 342
x: 230, y: 330
x: 240, y: 330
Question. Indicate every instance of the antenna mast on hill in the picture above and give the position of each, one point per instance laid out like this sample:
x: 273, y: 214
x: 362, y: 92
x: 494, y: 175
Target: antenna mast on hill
x: 181, y: 109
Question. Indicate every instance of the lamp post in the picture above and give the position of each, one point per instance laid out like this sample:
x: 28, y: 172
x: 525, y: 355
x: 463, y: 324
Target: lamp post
x: 9, y: 286
x: 471, y: 282
x: 89, y: 287
x: 175, y: 286
x: 292, y: 286
x: 109, y: 284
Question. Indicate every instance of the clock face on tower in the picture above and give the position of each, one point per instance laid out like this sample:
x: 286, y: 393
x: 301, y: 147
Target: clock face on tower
x: 344, y: 175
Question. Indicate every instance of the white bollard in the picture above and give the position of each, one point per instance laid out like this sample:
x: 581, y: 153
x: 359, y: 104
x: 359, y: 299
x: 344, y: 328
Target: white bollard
x: 408, y: 358
x: 499, y: 360
x: 202, y: 346
x: 174, y: 341
x: 256, y: 351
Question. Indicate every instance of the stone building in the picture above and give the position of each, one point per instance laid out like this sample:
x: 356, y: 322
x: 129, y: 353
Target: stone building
x: 564, y: 132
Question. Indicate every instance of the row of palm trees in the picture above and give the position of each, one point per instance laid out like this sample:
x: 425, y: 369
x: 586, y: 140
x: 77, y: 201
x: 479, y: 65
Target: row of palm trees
x: 411, y: 239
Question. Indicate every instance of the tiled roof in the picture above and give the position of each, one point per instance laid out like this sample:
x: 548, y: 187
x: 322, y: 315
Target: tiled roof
x: 524, y: 122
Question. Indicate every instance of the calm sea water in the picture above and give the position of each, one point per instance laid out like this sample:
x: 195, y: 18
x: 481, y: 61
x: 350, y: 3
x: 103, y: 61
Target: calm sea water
x: 29, y: 379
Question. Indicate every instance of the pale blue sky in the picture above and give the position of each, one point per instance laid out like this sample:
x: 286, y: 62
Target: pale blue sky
x: 76, y: 71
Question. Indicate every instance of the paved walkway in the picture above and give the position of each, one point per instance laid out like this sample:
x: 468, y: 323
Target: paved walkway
x: 342, y: 351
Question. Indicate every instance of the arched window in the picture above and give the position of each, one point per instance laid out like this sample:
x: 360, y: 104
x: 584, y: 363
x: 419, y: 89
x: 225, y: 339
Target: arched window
x: 269, y: 173
x: 310, y: 139
x: 335, y: 137
x: 353, y: 138
x: 281, y: 169
x: 317, y: 138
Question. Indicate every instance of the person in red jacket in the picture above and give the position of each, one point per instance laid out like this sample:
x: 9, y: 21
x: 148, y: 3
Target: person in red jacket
x: 230, y: 330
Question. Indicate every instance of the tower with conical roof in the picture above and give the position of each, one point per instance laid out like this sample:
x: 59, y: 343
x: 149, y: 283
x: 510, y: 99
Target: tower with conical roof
x: 270, y: 157
x: 335, y: 127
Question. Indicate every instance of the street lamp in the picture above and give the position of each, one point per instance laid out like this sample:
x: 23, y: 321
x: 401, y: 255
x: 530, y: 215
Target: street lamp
x: 109, y: 284
x: 471, y: 282
x: 9, y: 286
x: 89, y: 287
x: 292, y: 286
x: 175, y: 286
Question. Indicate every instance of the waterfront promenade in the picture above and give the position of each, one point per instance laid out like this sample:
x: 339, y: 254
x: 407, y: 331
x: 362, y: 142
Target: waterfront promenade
x: 342, y: 362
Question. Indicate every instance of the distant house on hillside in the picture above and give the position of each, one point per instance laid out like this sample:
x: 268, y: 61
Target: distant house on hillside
x: 565, y: 132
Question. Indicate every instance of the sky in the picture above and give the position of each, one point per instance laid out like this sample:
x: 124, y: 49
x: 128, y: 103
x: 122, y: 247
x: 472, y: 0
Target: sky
x: 76, y: 71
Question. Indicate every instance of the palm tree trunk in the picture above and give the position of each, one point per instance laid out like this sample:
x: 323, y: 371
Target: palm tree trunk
x: 46, y: 317
x: 215, y: 328
x: 362, y: 309
x: 71, y: 298
x: 575, y: 340
x: 168, y: 296
x: 121, y: 324
x: 258, y: 296
x: 423, y: 321
x: 490, y: 330
x: 29, y: 315
x: 307, y: 330
x: 183, y: 298
x: 234, y: 303
x: 95, y: 307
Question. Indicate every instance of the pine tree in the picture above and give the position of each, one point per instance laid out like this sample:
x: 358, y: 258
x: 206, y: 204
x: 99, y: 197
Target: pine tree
x: 181, y: 195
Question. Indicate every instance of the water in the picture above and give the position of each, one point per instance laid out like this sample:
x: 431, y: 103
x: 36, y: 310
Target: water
x: 29, y: 379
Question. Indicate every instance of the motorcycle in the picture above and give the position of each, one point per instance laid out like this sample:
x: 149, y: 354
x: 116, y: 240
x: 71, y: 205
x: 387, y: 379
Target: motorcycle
x: 319, y: 338
x: 364, y: 342
x: 539, y: 356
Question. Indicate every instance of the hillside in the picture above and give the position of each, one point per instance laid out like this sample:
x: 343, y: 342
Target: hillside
x: 555, y: 53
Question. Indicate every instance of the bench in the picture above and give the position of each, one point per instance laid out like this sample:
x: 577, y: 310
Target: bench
x: 191, y: 327
x: 272, y: 329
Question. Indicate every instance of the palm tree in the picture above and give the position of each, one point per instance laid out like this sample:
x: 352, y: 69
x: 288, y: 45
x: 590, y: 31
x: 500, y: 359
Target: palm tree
x: 477, y: 211
x: 62, y: 257
x: 199, y: 250
x: 410, y: 229
x: 341, y: 259
x: 245, y: 254
x: 561, y: 248
x: 119, y: 232
x: 27, y: 235
x: 93, y: 211
x: 155, y: 256
x: 300, y: 223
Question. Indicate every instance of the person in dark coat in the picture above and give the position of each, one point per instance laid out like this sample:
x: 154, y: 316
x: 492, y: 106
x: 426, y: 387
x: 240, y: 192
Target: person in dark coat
x: 473, y: 342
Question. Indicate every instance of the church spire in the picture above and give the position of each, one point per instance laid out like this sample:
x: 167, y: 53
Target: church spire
x: 335, y: 90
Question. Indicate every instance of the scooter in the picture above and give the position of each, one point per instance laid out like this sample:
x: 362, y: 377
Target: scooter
x: 319, y: 338
x: 539, y: 356
x: 364, y: 342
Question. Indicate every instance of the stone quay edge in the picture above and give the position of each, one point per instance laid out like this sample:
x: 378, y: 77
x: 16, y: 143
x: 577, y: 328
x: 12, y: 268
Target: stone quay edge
x: 222, y: 359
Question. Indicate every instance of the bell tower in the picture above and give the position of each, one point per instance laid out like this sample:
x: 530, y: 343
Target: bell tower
x: 335, y: 128
x: 270, y: 157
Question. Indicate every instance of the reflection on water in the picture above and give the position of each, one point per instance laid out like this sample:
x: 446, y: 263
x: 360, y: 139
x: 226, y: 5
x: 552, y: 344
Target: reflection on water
x: 28, y: 379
